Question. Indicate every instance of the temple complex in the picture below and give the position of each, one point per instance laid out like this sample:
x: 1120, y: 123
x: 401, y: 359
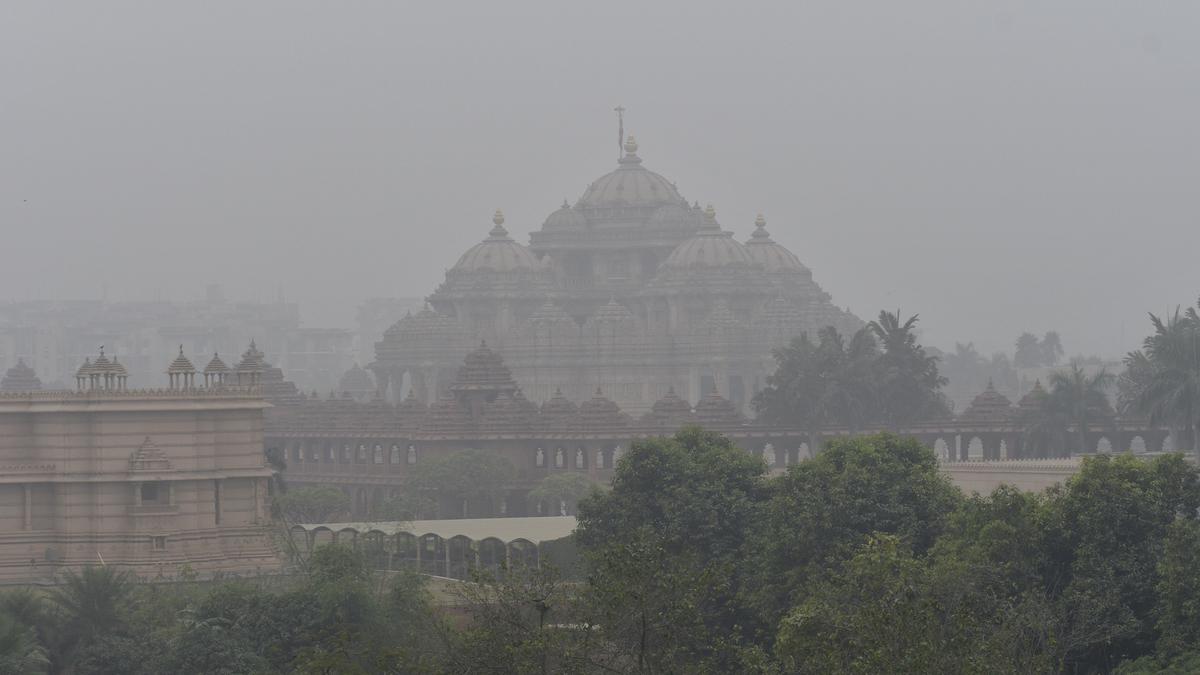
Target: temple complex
x: 630, y: 289
x: 156, y: 481
x: 367, y: 446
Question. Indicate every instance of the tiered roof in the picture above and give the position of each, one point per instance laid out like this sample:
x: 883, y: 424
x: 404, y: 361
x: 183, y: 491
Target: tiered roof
x: 989, y: 406
x: 670, y: 412
x: 483, y: 370
x: 181, y: 365
x: 216, y: 366
x: 717, y: 412
x: 20, y: 378
x: 600, y: 413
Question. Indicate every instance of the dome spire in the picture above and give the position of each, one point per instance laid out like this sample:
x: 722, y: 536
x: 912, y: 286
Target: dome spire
x: 760, y: 229
x: 631, y: 158
x: 498, y: 232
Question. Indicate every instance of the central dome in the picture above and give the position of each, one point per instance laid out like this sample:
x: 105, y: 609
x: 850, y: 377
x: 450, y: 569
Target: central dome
x: 630, y: 185
x: 497, y: 253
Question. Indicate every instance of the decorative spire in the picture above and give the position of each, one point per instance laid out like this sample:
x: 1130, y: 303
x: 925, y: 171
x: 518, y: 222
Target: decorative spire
x: 498, y: 232
x: 631, y: 159
x: 760, y: 230
x: 710, y: 225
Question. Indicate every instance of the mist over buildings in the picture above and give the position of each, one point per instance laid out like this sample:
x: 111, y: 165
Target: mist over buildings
x: 997, y: 169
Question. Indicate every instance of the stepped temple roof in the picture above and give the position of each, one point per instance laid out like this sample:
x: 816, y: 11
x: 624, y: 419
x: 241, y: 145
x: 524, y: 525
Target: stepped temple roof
x: 989, y: 406
x: 20, y: 378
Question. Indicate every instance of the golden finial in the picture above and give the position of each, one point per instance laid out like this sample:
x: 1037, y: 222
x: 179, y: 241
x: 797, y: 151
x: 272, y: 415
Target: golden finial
x: 710, y: 213
x: 498, y: 217
x: 760, y: 221
x: 631, y: 145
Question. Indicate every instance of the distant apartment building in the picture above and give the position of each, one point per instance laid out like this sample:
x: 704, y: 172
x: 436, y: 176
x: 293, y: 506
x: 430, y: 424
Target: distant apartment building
x: 54, y: 336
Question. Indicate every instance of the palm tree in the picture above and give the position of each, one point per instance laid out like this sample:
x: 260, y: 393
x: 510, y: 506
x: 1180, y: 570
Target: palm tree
x: 93, y: 602
x: 908, y: 380
x: 1080, y: 398
x: 1162, y: 380
x: 20, y: 652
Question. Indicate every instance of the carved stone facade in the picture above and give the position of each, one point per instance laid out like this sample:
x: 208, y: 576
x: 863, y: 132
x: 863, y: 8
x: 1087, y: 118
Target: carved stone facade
x: 367, y: 448
x: 148, y: 480
x: 630, y: 289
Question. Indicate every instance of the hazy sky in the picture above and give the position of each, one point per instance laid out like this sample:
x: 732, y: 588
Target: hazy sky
x: 995, y: 166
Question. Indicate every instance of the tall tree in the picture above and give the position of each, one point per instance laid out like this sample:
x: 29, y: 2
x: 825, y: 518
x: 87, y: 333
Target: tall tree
x: 908, y: 382
x: 664, y: 552
x: 1081, y: 398
x: 1162, y: 381
x: 1051, y: 348
x: 312, y: 505
x: 823, y: 383
x: 1028, y: 353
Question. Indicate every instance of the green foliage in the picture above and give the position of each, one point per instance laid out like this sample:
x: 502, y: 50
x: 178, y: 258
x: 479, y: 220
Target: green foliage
x: 465, y: 476
x: 1178, y: 589
x: 907, y: 382
x: 1162, y: 380
x: 822, y: 509
x: 312, y: 505
x: 568, y: 487
x: 852, y: 383
x: 664, y: 550
x: 20, y: 651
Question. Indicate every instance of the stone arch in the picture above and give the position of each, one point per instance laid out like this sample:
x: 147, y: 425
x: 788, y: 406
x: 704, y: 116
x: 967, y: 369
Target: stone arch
x: 539, y: 458
x: 461, y: 556
x: 493, y: 554
x: 1168, y: 444
x: 1003, y: 449
x: 600, y: 463
x: 347, y: 536
x: 433, y: 554
x: 803, y: 452
x: 321, y: 536
x: 942, y: 449
x: 407, y: 550
x: 522, y: 552
x: 1104, y: 446
x: 975, y: 449
x: 1138, y: 445
x: 301, y: 541
x: 580, y: 458
x: 560, y: 458
x: 372, y: 545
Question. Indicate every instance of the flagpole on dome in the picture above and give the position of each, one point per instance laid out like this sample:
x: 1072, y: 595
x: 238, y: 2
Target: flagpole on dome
x: 620, y: 110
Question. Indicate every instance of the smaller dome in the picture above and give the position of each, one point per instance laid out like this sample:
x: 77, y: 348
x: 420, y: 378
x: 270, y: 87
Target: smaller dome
x: 775, y: 258
x: 565, y: 218
x: 181, y: 365
x: 497, y: 254
x: 709, y: 247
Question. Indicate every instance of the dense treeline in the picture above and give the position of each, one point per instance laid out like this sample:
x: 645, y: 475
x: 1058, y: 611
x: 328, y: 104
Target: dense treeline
x: 864, y: 559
